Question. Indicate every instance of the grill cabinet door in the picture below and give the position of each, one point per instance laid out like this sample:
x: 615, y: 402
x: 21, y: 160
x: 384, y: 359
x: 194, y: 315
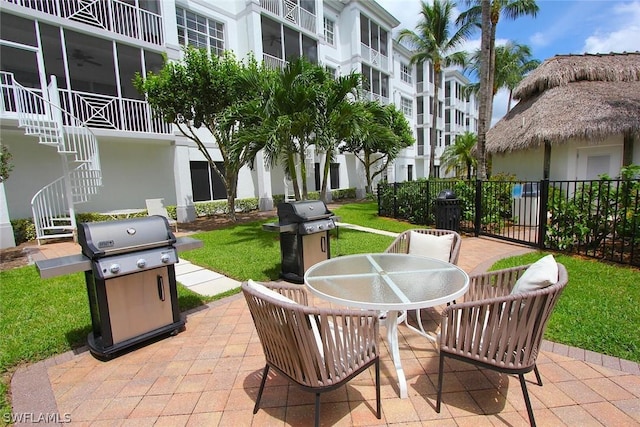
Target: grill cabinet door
x: 139, y: 303
x: 315, y: 248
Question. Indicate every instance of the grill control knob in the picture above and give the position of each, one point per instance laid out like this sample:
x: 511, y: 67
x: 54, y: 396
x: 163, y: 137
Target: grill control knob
x: 142, y: 263
x: 165, y: 258
x: 320, y: 227
x: 114, y: 268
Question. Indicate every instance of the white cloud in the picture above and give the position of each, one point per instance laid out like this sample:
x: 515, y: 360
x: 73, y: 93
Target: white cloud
x: 539, y: 39
x: 622, y: 33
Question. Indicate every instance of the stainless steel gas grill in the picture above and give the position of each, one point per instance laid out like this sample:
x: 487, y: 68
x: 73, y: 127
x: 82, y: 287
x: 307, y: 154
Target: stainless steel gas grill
x: 130, y: 280
x: 304, y: 236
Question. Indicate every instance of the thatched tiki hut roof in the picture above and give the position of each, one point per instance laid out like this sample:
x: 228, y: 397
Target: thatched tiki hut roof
x: 585, y: 97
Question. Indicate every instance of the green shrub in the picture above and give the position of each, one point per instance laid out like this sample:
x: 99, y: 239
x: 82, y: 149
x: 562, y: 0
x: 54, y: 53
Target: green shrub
x: 342, y: 194
x: 23, y: 230
x: 219, y: 207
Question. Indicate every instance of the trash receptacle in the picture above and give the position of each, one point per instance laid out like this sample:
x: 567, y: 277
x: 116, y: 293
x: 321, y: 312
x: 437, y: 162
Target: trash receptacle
x: 447, y: 210
x: 526, y: 202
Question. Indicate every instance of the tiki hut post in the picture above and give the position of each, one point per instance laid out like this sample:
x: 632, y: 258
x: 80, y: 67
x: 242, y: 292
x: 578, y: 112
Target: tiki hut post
x: 547, y: 159
x: 627, y: 148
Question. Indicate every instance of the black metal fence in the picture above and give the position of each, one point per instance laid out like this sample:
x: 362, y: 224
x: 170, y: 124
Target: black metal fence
x: 599, y: 218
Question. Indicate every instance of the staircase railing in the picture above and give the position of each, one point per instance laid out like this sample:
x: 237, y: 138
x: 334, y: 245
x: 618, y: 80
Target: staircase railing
x: 53, y: 206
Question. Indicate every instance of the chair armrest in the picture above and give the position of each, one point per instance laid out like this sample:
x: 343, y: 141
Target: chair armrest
x: 347, y: 338
x: 400, y: 245
x: 493, y: 283
x: 297, y: 293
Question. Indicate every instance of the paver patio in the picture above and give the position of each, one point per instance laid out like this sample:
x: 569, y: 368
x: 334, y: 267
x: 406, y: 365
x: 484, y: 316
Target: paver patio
x: 209, y: 375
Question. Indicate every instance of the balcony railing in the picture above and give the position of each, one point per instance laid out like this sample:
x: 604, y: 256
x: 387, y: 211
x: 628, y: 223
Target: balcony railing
x: 374, y: 57
x: 111, y: 15
x: 292, y: 12
x: 375, y: 97
x: 109, y: 112
x: 273, y: 62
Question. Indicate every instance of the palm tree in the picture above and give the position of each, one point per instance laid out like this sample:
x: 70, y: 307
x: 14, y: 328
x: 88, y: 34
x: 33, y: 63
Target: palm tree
x: 383, y: 131
x: 459, y: 154
x: 486, y: 84
x: 432, y: 41
x: 336, y: 118
x: 289, y: 117
x: 513, y: 63
x: 511, y: 9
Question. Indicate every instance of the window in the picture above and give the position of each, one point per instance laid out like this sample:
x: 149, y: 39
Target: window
x: 406, y: 105
x: 329, y: 31
x: 332, y: 71
x: 377, y: 83
x: 409, y: 172
x: 280, y: 43
x: 405, y: 73
x: 334, y: 172
x: 205, y: 182
x: 372, y: 35
x: 199, y: 31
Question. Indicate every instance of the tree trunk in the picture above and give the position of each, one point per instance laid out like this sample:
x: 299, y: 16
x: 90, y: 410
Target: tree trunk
x: 303, y: 174
x: 433, y: 136
x: 293, y: 175
x: 231, y: 181
x: 485, y: 89
x: 509, y: 101
x: 325, y: 177
x: 367, y: 166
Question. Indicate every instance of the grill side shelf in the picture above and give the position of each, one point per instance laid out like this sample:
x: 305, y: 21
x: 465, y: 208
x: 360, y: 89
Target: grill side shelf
x: 61, y: 266
x: 70, y: 264
x: 273, y: 226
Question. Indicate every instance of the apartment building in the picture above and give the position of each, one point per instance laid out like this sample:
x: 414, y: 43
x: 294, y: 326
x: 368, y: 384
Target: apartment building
x: 79, y: 131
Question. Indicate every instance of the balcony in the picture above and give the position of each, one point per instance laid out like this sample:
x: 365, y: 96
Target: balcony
x: 292, y: 12
x: 273, y: 62
x: 110, y: 15
x: 374, y: 57
x: 375, y: 97
x: 109, y: 112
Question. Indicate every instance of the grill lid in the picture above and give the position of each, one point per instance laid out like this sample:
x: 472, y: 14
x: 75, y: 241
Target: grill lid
x: 303, y: 211
x: 100, y: 239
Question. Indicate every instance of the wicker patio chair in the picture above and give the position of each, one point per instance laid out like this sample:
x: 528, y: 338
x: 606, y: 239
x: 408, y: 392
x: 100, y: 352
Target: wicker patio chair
x: 402, y: 244
x: 496, y: 329
x: 318, y: 349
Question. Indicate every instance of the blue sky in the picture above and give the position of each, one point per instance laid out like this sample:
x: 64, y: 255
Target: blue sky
x: 561, y: 27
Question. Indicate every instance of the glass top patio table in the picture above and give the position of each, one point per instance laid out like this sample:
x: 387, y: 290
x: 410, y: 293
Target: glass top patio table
x: 389, y: 283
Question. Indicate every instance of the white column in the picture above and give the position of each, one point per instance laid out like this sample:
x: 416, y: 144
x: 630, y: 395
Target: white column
x: 6, y: 230
x: 168, y: 10
x: 185, y: 209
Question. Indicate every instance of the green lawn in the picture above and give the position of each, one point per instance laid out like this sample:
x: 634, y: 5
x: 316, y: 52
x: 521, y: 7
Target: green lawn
x: 599, y: 310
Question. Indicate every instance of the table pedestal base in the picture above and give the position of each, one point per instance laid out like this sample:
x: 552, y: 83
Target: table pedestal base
x: 391, y: 323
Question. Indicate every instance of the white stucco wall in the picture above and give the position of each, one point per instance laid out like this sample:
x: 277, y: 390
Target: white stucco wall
x: 568, y: 160
x: 132, y: 172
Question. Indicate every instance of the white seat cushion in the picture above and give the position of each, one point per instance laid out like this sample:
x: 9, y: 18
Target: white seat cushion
x: 438, y: 247
x: 262, y: 289
x: 540, y: 274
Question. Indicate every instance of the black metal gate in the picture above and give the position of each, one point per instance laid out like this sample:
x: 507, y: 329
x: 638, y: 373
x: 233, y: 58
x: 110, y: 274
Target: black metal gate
x: 596, y: 218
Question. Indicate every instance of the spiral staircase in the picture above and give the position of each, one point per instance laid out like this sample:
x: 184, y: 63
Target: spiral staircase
x: 53, y: 206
